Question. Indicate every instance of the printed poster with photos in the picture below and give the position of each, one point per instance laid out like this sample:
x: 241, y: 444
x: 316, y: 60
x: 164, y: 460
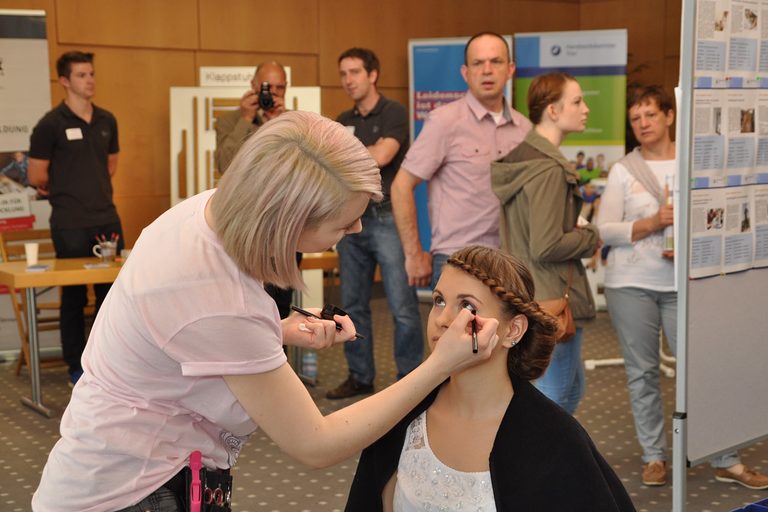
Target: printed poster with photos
x: 729, y: 167
x: 731, y: 48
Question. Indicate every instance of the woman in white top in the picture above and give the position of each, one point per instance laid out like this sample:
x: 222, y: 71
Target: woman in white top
x: 639, y: 278
x: 487, y: 439
x: 186, y: 353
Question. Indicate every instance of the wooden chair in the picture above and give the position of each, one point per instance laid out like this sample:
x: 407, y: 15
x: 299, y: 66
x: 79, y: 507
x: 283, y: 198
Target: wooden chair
x: 12, y: 248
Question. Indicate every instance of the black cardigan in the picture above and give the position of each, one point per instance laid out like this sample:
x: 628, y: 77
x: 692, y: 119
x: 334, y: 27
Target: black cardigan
x: 542, y: 459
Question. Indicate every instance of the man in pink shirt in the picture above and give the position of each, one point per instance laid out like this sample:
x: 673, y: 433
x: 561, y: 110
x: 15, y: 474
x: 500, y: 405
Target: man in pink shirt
x: 453, y: 153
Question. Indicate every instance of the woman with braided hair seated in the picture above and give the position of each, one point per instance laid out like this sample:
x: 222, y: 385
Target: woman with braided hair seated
x: 486, y: 439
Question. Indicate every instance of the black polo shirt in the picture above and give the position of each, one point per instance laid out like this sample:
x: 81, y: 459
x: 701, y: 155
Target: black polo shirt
x: 79, y: 184
x: 387, y: 119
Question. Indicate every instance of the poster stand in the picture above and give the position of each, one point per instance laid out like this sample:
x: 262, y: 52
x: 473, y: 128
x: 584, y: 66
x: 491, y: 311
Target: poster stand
x: 721, y: 325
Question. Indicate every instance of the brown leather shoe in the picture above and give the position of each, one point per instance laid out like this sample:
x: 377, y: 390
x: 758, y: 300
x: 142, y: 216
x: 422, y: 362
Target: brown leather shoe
x: 348, y: 388
x: 655, y: 473
x: 749, y: 478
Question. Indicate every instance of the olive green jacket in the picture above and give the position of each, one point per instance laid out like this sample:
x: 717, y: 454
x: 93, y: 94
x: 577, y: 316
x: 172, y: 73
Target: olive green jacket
x: 540, y: 204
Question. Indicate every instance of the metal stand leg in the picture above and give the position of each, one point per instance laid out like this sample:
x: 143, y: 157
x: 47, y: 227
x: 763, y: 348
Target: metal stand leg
x: 667, y: 371
x: 36, y: 402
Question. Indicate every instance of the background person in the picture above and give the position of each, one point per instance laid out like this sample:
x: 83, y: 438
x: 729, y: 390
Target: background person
x: 187, y: 352
x: 382, y: 126
x: 640, y: 281
x: 540, y: 203
x: 487, y: 439
x: 72, y: 159
x: 453, y: 152
x: 233, y: 128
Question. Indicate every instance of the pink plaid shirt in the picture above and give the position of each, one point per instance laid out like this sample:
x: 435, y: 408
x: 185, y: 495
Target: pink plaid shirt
x: 454, y: 151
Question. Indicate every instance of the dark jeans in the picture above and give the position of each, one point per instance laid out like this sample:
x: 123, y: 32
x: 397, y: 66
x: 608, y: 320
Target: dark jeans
x: 378, y: 242
x: 78, y: 243
x: 162, y: 500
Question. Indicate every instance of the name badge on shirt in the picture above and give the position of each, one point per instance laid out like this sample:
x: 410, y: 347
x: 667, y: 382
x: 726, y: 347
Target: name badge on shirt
x: 74, y: 134
x: 350, y: 129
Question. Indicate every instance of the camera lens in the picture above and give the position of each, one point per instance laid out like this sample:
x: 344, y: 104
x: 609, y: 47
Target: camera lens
x: 265, y: 97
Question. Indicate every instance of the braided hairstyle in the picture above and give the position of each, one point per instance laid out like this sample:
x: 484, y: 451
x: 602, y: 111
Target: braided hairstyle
x: 512, y: 283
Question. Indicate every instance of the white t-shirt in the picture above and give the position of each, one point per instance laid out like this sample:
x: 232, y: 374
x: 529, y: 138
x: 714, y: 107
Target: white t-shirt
x: 179, y: 316
x: 634, y: 264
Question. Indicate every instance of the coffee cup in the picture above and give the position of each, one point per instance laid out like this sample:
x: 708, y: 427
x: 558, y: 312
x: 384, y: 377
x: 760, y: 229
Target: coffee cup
x: 31, y: 250
x: 105, y: 250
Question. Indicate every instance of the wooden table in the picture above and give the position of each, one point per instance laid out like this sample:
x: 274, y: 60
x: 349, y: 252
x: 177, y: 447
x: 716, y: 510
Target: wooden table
x: 62, y: 272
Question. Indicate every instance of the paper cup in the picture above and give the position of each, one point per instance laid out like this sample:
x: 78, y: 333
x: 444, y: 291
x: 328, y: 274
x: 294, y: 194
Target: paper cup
x: 30, y: 250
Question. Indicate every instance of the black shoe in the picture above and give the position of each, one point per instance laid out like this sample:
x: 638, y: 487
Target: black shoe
x: 348, y: 388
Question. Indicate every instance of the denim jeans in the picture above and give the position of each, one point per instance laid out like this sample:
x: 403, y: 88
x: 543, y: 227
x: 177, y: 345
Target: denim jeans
x: 378, y: 242
x: 78, y: 243
x: 637, y: 315
x: 162, y: 500
x: 438, y: 262
x: 563, y: 381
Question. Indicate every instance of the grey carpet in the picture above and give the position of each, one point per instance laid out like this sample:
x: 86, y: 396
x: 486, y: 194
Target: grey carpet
x: 268, y: 480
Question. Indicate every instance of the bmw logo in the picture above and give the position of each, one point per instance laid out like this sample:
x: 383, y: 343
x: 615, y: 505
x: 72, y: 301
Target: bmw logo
x: 555, y: 50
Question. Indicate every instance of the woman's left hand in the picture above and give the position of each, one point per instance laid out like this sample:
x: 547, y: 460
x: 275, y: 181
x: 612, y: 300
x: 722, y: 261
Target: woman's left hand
x: 308, y: 332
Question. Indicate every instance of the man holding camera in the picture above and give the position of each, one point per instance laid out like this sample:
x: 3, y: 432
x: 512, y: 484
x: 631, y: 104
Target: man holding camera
x: 265, y: 100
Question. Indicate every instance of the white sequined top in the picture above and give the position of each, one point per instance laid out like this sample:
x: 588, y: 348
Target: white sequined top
x: 424, y: 483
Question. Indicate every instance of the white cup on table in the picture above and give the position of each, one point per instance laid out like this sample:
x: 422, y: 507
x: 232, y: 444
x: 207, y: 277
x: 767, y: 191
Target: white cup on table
x: 31, y: 250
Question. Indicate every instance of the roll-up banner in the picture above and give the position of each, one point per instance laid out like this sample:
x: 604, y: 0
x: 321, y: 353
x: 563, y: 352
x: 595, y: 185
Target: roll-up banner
x: 25, y: 96
x: 598, y: 60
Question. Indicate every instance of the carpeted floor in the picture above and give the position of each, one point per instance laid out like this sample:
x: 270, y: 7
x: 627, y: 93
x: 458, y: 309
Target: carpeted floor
x: 268, y: 480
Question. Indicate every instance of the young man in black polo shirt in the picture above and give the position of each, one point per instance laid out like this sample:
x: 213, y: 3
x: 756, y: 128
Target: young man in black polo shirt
x: 382, y: 126
x: 72, y: 158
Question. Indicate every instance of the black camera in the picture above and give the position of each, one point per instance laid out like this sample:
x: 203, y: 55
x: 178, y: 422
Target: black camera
x: 266, y: 101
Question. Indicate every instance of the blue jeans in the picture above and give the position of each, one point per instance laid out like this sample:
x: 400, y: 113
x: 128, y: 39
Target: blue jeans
x: 637, y: 315
x: 438, y: 262
x: 563, y: 381
x: 378, y: 242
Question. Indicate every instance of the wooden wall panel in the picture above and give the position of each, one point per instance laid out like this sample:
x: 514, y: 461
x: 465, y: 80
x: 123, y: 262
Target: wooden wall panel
x: 537, y: 16
x: 134, y: 85
x: 287, y: 26
x: 672, y: 20
x: 646, y: 29
x: 304, y: 70
x: 401, y: 20
x: 138, y: 23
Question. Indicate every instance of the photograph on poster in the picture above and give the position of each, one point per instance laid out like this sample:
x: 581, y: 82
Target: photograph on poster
x: 745, y: 218
x: 750, y: 20
x: 747, y: 120
x: 715, y: 218
x: 721, y: 21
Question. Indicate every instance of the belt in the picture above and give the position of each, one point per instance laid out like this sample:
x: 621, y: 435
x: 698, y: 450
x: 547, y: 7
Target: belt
x: 216, y: 484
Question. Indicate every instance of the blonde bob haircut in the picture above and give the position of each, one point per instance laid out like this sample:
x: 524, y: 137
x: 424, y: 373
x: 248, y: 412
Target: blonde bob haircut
x: 295, y: 173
